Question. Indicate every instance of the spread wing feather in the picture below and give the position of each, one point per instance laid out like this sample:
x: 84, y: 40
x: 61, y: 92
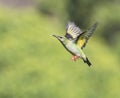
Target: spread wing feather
x: 72, y: 31
x: 84, y: 37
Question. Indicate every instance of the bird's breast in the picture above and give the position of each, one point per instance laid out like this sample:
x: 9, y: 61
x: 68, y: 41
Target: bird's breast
x: 72, y: 47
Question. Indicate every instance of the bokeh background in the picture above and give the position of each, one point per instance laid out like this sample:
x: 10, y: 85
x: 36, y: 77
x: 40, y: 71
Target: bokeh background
x: 33, y: 64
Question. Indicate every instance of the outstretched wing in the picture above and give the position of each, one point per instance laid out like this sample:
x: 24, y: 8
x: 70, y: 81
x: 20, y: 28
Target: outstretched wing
x: 72, y: 31
x: 84, y: 37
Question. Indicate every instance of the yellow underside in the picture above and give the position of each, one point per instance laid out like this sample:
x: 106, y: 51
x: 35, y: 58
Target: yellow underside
x: 81, y: 42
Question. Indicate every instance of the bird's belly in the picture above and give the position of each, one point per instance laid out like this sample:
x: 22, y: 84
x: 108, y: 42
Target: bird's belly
x: 73, y: 49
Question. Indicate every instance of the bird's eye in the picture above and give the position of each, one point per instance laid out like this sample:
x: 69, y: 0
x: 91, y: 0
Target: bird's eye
x: 60, y: 37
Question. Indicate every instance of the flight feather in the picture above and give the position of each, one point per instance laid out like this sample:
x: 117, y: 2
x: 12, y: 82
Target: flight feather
x: 84, y: 37
x: 72, y: 31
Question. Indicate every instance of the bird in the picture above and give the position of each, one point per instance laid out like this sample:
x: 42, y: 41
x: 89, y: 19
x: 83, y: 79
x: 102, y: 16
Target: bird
x: 74, y: 41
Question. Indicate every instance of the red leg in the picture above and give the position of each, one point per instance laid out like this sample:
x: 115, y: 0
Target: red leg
x: 75, y: 57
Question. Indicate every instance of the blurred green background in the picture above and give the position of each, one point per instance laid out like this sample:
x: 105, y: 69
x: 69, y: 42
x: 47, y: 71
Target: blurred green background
x: 33, y: 64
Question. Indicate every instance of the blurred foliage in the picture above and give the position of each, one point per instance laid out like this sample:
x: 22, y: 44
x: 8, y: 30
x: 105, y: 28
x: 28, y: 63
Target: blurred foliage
x: 54, y: 8
x: 33, y: 64
x: 109, y: 21
x: 80, y: 11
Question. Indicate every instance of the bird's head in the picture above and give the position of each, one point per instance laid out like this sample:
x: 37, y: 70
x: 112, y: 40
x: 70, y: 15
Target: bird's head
x: 60, y: 38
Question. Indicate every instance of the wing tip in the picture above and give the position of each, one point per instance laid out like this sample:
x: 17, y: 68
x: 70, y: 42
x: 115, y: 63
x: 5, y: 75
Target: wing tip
x: 70, y: 23
x: 96, y: 24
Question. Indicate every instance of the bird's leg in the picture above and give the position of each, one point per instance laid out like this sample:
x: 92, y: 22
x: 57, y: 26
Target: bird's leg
x: 75, y: 57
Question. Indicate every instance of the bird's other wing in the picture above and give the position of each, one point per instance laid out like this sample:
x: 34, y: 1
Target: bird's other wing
x: 72, y: 31
x: 84, y: 37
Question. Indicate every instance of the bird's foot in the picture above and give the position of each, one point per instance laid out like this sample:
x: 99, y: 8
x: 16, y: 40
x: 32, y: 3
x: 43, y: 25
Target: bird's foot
x: 75, y: 57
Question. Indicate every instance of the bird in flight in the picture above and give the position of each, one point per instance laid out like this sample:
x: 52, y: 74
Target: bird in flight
x: 75, y: 40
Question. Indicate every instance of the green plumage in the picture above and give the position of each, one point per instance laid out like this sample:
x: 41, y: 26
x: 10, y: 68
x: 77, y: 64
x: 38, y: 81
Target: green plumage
x: 75, y: 40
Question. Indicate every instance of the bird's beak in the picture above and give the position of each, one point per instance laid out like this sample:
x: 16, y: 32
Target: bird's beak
x: 56, y: 36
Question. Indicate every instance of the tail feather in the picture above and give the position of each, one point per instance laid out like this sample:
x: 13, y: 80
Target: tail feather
x: 87, y: 61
